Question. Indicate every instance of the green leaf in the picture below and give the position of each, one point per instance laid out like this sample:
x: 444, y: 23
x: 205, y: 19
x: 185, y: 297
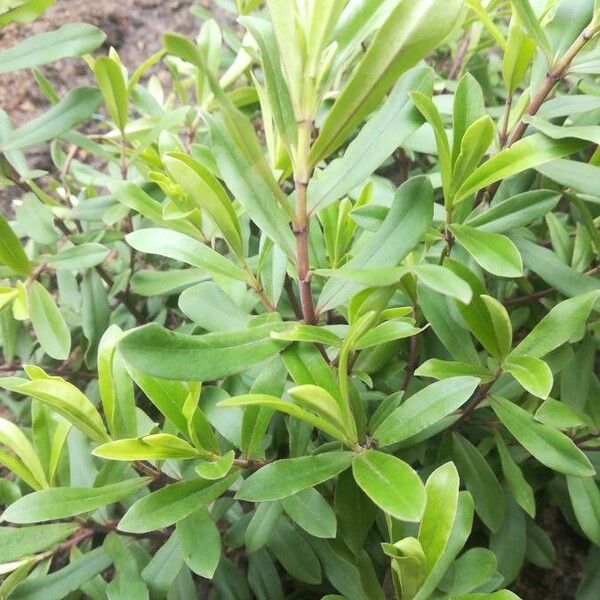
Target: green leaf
x: 72, y: 39
x: 492, y: 251
x: 249, y: 177
x: 328, y: 425
x: 579, y: 176
x: 551, y: 447
x: 443, y: 369
x: 17, y: 542
x: 472, y: 570
x: 48, y: 323
x: 521, y: 490
x: 501, y: 326
x: 554, y: 271
x: 530, y: 22
x: 277, y: 90
x: 520, y: 50
x: 385, y: 131
x: 532, y: 373
x: 480, y: 481
x: 517, y: 211
x: 591, y: 133
x: 13, y: 438
x: 61, y: 583
x: 11, y: 252
x: 65, y: 399
x: 469, y: 106
x: 309, y: 510
x: 183, y: 248
x: 77, y: 106
x: 127, y: 582
x: 527, y: 153
x: 441, y: 505
x: 173, y: 503
x: 77, y: 258
x: 202, y: 558
x: 163, y: 353
x: 403, y: 228
x: 407, y: 35
x: 475, y: 143
x: 392, y: 484
x: 585, y: 498
x: 425, y: 408
x: 558, y: 326
x: 158, y: 446
x: 208, y: 194
x: 216, y: 469
x: 113, y: 87
x: 285, y: 477
x: 60, y: 503
x: 559, y: 415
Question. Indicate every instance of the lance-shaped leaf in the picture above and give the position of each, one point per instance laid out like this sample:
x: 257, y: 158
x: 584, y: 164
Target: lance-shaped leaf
x: 14, y: 439
x: 60, y: 503
x: 173, y: 503
x: 469, y: 106
x: 527, y: 153
x: 208, y: 194
x: 531, y: 24
x: 558, y: 326
x: 72, y: 39
x: 249, y: 177
x: 163, y: 353
x: 11, y: 252
x: 114, y: 89
x: 203, y: 558
x: 77, y: 106
x: 532, y: 373
x: 403, y: 228
x: 550, y: 446
x: 585, y: 498
x: 158, y: 446
x: 409, y: 33
x: 425, y: 408
x: 493, y: 251
x: 178, y: 246
x: 65, y: 399
x: 48, y: 323
x: 312, y: 512
x: 385, y: 131
x: 391, y: 483
x: 17, y: 542
x: 277, y: 89
x: 285, y: 477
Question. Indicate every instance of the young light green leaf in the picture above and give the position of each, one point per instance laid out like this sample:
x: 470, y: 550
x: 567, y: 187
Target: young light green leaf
x: 401, y: 231
x: 77, y: 258
x: 158, y: 446
x: 77, y: 106
x: 113, y: 87
x: 391, y: 483
x: 441, y: 504
x: 407, y: 35
x: 60, y: 503
x: 285, y: 477
x: 208, y: 194
x: 532, y: 373
x: 492, y: 251
x: 65, y: 399
x: 469, y: 106
x: 425, y: 408
x: 11, y: 251
x: 551, y: 447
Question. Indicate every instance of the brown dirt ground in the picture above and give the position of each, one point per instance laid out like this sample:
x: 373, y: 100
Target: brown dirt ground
x: 134, y: 28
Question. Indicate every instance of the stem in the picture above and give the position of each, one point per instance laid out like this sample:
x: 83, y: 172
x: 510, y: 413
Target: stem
x: 301, y: 222
x: 503, y: 136
x: 553, y: 77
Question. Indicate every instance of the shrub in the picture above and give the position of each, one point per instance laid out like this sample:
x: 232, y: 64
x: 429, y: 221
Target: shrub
x: 303, y: 314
